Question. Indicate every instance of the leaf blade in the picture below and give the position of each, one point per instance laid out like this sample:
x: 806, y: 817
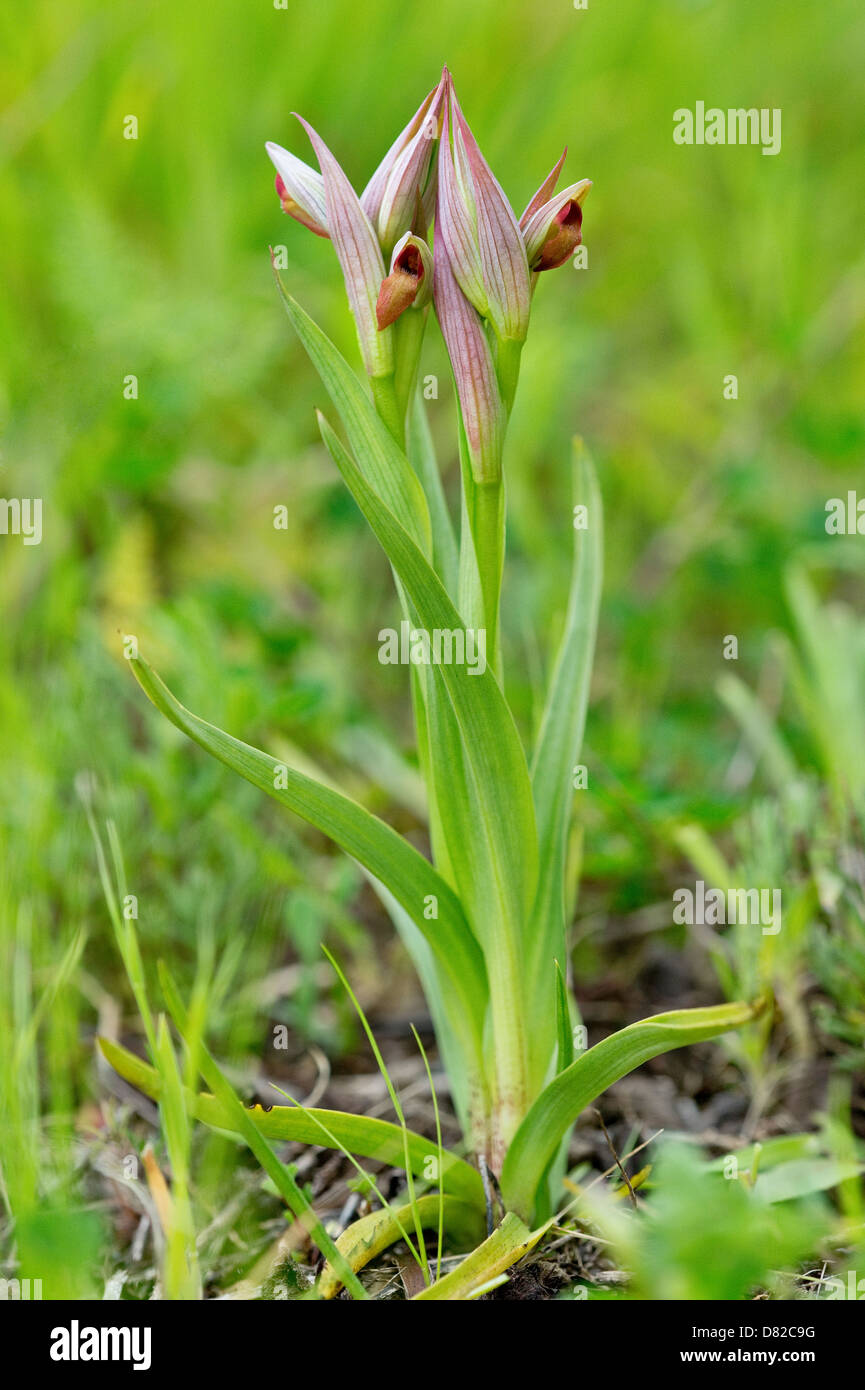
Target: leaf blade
x: 558, y: 749
x: 391, y: 859
x: 386, y: 467
x: 561, y: 1102
x: 360, y: 1134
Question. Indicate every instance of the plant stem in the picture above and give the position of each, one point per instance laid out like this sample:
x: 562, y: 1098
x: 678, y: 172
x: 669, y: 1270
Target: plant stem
x: 385, y: 400
x: 507, y: 1009
x: 485, y: 507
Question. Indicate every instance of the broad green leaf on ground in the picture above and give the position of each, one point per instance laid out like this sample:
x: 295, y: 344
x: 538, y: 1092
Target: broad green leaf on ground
x: 361, y: 1135
x: 508, y: 1243
x: 559, y: 1105
x: 372, y: 1234
x: 802, y: 1177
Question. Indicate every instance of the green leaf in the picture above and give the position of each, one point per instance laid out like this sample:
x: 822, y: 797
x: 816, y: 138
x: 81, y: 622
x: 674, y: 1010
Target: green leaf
x: 563, y: 1022
x: 493, y: 747
x: 385, y: 854
x: 558, y: 750
x: 281, y: 1176
x: 559, y: 1105
x: 800, y: 1178
x: 368, y: 1237
x: 384, y: 464
x: 502, y: 829
x: 760, y: 731
x: 359, y: 1134
x: 508, y: 1243
x: 423, y: 459
x: 180, y: 1265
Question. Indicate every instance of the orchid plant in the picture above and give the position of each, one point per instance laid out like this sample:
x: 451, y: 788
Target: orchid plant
x: 485, y: 918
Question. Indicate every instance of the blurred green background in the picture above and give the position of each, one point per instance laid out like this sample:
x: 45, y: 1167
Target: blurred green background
x: 149, y: 257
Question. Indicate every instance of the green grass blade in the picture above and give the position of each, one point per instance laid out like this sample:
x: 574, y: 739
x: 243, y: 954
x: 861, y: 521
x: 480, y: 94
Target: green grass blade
x: 369, y: 1138
x: 759, y: 730
x: 560, y: 1103
x: 182, y: 1276
x: 276, y: 1170
x: 439, y: 1145
x: 385, y: 854
x: 395, y: 1102
x: 125, y: 934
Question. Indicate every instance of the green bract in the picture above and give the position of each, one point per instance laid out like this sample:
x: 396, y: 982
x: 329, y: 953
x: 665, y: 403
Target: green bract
x: 484, y: 922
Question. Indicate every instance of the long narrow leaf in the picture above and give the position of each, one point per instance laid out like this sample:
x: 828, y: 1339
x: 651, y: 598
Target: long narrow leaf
x: 508, y: 1243
x: 360, y: 1134
x: 422, y: 456
x: 558, y: 750
x: 386, y: 467
x: 558, y: 1106
x: 502, y: 830
x: 372, y: 1234
x: 492, y: 744
x: 406, y: 873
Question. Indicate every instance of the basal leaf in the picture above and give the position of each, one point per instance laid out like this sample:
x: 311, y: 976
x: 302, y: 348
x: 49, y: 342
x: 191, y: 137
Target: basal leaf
x: 368, y: 1237
x: 359, y: 1134
x: 561, y: 1102
x: 507, y: 1244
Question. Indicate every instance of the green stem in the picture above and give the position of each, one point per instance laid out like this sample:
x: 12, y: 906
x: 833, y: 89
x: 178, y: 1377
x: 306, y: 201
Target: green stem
x: 385, y: 400
x: 507, y: 354
x: 509, y: 1040
x: 408, y: 331
x: 486, y: 514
